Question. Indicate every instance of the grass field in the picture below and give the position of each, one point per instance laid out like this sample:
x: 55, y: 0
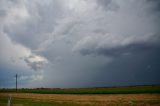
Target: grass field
x: 118, y: 96
x: 111, y: 90
x: 30, y: 99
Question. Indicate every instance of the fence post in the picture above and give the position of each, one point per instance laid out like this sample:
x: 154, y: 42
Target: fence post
x: 9, y: 100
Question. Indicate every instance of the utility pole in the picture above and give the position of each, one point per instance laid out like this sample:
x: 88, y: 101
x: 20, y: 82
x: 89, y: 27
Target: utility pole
x: 16, y: 82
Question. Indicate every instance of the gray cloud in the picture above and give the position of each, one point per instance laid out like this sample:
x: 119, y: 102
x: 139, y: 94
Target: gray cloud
x: 108, y: 5
x: 35, y: 62
x: 118, y: 51
x: 80, y: 43
x: 125, y: 28
x: 32, y: 21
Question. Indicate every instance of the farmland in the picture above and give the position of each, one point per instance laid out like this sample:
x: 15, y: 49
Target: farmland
x: 122, y: 96
x: 107, y: 90
x: 29, y: 99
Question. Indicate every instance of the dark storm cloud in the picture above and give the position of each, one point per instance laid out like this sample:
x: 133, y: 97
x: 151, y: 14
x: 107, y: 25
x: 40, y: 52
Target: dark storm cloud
x: 80, y: 43
x: 118, y: 51
x: 125, y: 35
x: 138, y: 69
x: 156, y: 8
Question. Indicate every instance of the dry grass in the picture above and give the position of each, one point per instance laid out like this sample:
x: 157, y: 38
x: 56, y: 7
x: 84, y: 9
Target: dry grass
x: 94, y: 100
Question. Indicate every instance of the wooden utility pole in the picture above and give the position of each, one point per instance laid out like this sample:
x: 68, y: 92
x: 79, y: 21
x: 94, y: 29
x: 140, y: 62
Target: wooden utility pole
x: 16, y: 81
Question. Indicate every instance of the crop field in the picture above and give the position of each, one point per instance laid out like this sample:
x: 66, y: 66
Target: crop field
x: 122, y: 96
x: 108, y: 90
x: 29, y: 99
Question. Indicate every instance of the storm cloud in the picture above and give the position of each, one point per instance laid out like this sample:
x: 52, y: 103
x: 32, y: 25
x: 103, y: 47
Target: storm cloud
x: 79, y: 43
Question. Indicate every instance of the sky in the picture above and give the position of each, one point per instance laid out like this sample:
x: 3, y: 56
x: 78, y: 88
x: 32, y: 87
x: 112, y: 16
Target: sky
x: 79, y: 43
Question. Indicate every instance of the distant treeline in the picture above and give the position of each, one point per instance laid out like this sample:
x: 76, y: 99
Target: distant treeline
x: 104, y: 90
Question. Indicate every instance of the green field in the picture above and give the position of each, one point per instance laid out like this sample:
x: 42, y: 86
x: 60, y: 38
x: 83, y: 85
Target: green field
x: 109, y: 90
x: 30, y: 102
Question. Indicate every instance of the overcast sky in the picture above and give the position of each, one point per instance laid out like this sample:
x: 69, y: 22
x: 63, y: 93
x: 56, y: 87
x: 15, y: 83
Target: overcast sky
x: 79, y: 43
